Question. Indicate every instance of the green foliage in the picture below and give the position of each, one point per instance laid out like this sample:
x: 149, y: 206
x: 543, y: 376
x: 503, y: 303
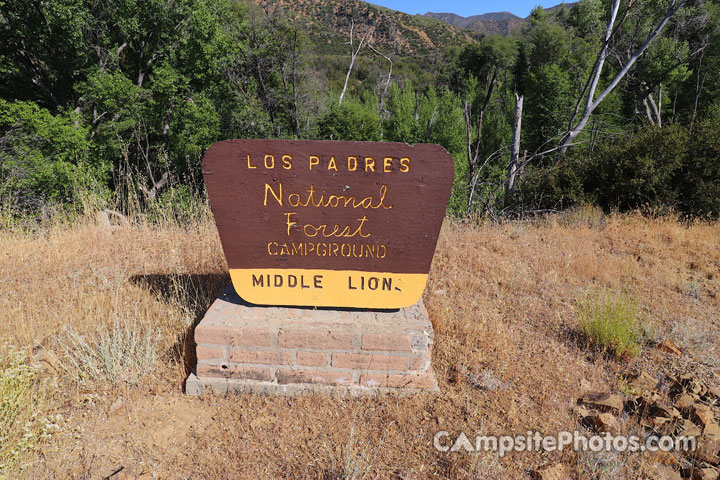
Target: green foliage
x: 46, y: 158
x: 656, y: 168
x: 612, y: 322
x: 355, y: 119
x: 100, y: 96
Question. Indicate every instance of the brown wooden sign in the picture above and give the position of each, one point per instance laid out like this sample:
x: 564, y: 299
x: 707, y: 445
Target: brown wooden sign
x: 322, y: 223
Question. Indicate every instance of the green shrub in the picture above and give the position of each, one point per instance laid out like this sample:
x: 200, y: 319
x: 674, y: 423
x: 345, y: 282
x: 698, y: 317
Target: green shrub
x: 611, y: 322
x: 355, y: 119
x: 46, y: 158
x: 121, y: 353
x: 658, y: 169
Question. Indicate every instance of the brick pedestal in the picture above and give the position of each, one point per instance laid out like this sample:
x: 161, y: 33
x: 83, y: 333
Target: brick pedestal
x: 284, y: 351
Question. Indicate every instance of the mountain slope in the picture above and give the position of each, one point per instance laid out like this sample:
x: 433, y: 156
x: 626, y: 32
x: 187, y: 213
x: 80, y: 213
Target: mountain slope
x: 495, y: 23
x: 463, y: 22
x: 328, y: 23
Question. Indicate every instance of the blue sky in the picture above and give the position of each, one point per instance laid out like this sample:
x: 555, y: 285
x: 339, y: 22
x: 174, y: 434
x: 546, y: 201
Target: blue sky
x: 521, y: 8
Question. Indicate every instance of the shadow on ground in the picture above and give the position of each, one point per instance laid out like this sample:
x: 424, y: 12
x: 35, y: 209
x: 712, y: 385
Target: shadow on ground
x: 195, y: 293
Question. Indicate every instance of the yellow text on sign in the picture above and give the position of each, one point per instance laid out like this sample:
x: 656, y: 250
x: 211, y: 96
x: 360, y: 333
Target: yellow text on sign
x: 328, y: 288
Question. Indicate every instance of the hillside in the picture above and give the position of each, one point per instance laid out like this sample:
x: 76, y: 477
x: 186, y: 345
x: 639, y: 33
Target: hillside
x: 328, y: 25
x: 463, y: 22
x: 494, y: 23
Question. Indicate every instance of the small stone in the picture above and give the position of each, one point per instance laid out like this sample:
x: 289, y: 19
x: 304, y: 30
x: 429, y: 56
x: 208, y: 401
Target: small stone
x: 662, y: 425
x: 48, y: 362
x: 581, y: 412
x: 658, y: 409
x: 644, y: 383
x: 685, y: 403
x: 605, y: 422
x: 713, y: 392
x: 687, y: 428
x: 116, y: 405
x: 551, y: 472
x: 663, y: 472
x: 606, y: 401
x: 668, y: 346
x: 696, y: 387
x: 712, y: 431
x: 708, y: 473
x: 665, y: 458
x: 703, y: 415
x: 708, y: 450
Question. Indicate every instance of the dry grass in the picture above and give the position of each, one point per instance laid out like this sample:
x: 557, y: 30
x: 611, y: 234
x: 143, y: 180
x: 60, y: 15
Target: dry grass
x: 509, y: 355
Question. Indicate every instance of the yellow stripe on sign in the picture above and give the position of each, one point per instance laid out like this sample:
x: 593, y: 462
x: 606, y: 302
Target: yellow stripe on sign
x: 328, y: 288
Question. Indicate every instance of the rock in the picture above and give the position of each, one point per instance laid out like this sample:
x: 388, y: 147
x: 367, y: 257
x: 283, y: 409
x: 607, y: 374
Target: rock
x: 662, y: 425
x: 116, y: 405
x: 708, y: 473
x: 658, y: 409
x: 663, y: 472
x: 703, y: 415
x: 688, y: 429
x: 48, y: 362
x: 644, y: 383
x: 665, y: 458
x: 604, y: 401
x: 668, y: 346
x: 581, y: 412
x: 712, y: 431
x: 713, y: 392
x: 697, y: 387
x: 604, y: 422
x: 708, y: 450
x: 685, y: 403
x: 551, y: 472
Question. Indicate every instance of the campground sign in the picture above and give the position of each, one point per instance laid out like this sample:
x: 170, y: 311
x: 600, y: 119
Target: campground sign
x: 323, y: 223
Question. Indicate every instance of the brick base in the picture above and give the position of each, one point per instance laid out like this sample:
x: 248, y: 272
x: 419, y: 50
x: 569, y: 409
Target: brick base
x: 285, y: 351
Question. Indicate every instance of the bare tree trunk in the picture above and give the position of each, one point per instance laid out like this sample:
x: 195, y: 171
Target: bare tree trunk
x: 591, y: 103
x: 389, y: 75
x: 488, y: 95
x: 515, y: 153
x: 698, y: 88
x: 353, y: 53
x: 294, y: 84
x: 648, y: 113
x: 655, y: 111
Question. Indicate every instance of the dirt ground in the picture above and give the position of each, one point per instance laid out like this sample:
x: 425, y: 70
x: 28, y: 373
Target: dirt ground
x: 508, y: 353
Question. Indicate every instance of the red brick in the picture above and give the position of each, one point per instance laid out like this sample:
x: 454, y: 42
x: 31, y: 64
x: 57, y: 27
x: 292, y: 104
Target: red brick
x: 205, y: 353
x: 417, y: 362
x: 235, y: 337
x: 312, y: 359
x: 317, y: 340
x: 410, y: 380
x: 389, y: 342
x: 368, y: 361
x: 239, y: 372
x: 313, y: 376
x: 267, y: 357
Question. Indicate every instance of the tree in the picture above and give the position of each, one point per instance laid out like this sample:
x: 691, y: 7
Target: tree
x: 588, y: 98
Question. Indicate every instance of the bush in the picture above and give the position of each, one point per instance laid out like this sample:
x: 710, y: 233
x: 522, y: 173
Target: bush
x: 612, y: 323
x: 46, y: 158
x: 658, y: 169
x: 123, y: 353
x: 353, y: 120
